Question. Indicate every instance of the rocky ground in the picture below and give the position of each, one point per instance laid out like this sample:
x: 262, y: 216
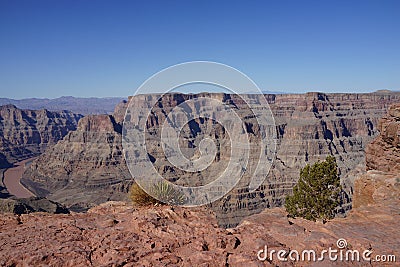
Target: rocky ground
x: 117, y: 234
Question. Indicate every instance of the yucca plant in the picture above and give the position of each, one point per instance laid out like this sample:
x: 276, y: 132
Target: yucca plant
x: 166, y: 193
x: 163, y: 192
x: 139, y: 197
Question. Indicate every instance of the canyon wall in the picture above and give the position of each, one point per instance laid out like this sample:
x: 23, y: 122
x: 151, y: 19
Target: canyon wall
x: 27, y: 133
x: 311, y: 127
x: 87, y: 167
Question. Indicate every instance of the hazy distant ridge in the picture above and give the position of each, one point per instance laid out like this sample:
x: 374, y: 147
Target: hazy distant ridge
x: 92, y: 105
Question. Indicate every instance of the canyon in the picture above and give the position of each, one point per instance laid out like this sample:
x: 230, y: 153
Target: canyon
x: 87, y: 166
x: 27, y: 133
x: 116, y: 233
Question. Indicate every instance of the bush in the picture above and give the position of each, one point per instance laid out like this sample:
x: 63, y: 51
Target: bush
x: 316, y: 194
x: 163, y: 191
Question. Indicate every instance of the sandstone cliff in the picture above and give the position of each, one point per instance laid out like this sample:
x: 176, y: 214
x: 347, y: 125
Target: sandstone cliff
x: 87, y: 168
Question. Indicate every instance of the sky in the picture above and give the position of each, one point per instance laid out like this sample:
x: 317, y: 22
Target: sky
x: 109, y: 48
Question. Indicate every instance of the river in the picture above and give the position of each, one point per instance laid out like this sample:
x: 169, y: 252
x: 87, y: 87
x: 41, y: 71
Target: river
x: 12, y: 177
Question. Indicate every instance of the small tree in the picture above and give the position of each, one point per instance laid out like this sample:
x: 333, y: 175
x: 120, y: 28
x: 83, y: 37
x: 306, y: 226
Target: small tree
x: 316, y: 194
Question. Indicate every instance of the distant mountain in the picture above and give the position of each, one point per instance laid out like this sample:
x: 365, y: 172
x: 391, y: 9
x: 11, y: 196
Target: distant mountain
x: 273, y: 92
x: 266, y: 92
x: 92, y: 105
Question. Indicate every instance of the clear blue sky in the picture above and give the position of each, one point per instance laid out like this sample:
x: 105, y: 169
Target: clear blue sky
x: 108, y: 48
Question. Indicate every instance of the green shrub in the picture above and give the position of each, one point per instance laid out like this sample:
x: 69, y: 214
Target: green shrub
x: 163, y: 192
x: 316, y: 194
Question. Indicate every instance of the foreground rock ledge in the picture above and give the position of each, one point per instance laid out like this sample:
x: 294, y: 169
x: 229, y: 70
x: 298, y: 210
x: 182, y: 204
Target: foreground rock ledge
x: 116, y: 234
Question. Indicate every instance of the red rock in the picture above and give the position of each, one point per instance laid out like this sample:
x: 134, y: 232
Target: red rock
x: 383, y: 153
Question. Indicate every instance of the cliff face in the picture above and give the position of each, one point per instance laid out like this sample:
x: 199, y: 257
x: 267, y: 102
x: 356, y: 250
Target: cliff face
x: 381, y: 184
x: 383, y: 154
x: 311, y: 127
x: 27, y: 133
x: 87, y: 167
